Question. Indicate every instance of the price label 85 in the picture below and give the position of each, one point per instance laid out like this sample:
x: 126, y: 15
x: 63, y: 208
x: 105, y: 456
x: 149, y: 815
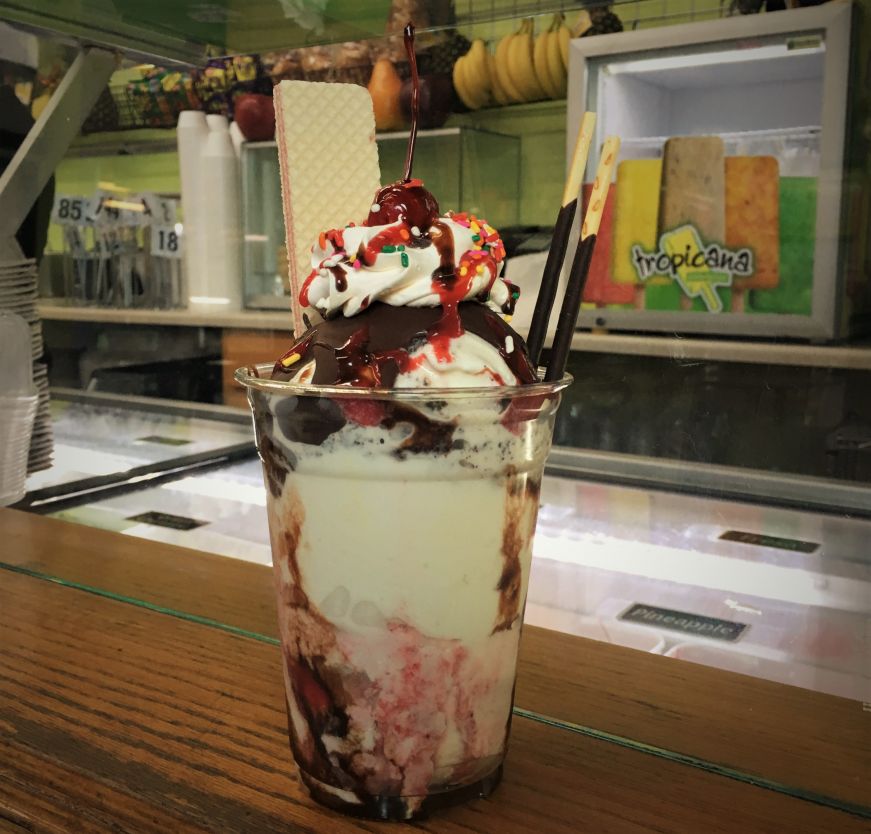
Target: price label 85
x: 71, y: 210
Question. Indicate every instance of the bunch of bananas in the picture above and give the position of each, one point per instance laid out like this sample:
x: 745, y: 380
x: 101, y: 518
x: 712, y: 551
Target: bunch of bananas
x: 473, y: 76
x: 523, y: 68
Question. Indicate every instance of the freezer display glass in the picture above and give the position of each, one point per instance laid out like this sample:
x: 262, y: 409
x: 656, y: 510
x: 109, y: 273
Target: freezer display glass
x: 220, y: 511
x: 92, y: 440
x: 775, y: 593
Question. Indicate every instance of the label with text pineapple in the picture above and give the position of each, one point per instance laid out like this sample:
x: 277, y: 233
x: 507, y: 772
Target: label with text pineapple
x: 697, y: 625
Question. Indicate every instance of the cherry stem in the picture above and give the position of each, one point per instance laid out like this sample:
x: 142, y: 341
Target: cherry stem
x: 408, y: 35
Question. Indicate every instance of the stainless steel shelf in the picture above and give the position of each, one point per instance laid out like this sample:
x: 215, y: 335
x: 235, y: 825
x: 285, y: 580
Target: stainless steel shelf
x: 855, y: 357
x: 246, y: 320
x: 124, y: 143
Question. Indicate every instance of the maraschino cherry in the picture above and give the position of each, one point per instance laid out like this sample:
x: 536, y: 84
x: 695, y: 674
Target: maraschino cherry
x: 408, y: 201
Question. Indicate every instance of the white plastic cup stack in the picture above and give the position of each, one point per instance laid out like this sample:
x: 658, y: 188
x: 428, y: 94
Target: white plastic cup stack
x: 18, y: 401
x: 220, y: 191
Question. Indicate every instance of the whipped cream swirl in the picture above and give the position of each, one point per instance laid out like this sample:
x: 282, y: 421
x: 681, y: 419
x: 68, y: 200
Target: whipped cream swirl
x: 458, y: 258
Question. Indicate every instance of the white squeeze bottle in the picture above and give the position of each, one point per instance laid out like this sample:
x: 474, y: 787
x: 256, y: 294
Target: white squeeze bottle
x: 221, y: 285
x: 237, y: 137
x: 215, y: 121
x: 191, y: 138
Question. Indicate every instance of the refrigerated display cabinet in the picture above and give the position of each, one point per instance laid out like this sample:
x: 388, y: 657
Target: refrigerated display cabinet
x: 103, y: 443
x: 218, y: 509
x: 743, y: 221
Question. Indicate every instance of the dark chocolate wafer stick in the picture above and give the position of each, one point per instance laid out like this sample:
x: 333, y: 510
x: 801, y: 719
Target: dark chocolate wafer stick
x: 560, y: 241
x: 571, y: 306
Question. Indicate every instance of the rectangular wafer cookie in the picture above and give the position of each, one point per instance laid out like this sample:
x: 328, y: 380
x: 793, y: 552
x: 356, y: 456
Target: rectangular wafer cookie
x: 329, y: 166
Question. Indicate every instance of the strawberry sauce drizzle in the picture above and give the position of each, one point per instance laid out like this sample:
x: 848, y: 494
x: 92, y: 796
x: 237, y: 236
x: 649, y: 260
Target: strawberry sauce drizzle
x: 396, y: 235
x: 300, y: 348
x: 451, y: 289
x: 303, y: 290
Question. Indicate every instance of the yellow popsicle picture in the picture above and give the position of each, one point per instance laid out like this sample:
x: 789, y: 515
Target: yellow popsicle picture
x: 684, y: 246
x: 637, y: 188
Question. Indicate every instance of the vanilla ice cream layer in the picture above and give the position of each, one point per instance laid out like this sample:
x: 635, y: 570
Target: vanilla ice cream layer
x: 418, y: 536
x: 433, y: 560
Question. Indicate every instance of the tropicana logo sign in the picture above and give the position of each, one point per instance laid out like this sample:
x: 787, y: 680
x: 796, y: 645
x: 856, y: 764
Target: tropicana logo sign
x: 699, y: 269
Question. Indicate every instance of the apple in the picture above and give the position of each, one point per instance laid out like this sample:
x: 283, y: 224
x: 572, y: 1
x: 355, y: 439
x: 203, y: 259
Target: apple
x: 436, y: 99
x: 255, y: 115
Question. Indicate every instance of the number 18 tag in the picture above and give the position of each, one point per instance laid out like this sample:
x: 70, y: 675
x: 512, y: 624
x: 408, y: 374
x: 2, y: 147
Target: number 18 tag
x: 166, y: 242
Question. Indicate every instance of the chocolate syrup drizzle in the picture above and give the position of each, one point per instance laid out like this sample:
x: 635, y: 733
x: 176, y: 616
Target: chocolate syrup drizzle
x: 372, y: 349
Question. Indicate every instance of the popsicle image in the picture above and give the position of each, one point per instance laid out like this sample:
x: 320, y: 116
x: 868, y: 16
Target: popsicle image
x: 694, y: 189
x: 601, y: 288
x: 637, y: 190
x: 798, y: 219
x: 684, y: 245
x: 753, y: 221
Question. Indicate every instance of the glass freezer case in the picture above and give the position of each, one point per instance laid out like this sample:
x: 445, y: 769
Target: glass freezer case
x: 218, y: 510
x: 105, y: 442
x: 668, y: 566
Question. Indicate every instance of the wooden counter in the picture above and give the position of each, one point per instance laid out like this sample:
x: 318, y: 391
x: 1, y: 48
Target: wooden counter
x: 140, y: 690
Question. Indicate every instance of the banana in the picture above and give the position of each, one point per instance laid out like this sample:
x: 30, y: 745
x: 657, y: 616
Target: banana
x: 488, y: 77
x: 499, y: 94
x: 581, y: 25
x: 501, y: 64
x: 564, y: 37
x: 476, y: 76
x: 555, y: 62
x: 539, y: 59
x: 521, y: 67
x: 460, y: 84
x: 477, y: 70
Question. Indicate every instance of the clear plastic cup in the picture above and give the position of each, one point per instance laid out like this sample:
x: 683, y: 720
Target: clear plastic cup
x: 401, y: 525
